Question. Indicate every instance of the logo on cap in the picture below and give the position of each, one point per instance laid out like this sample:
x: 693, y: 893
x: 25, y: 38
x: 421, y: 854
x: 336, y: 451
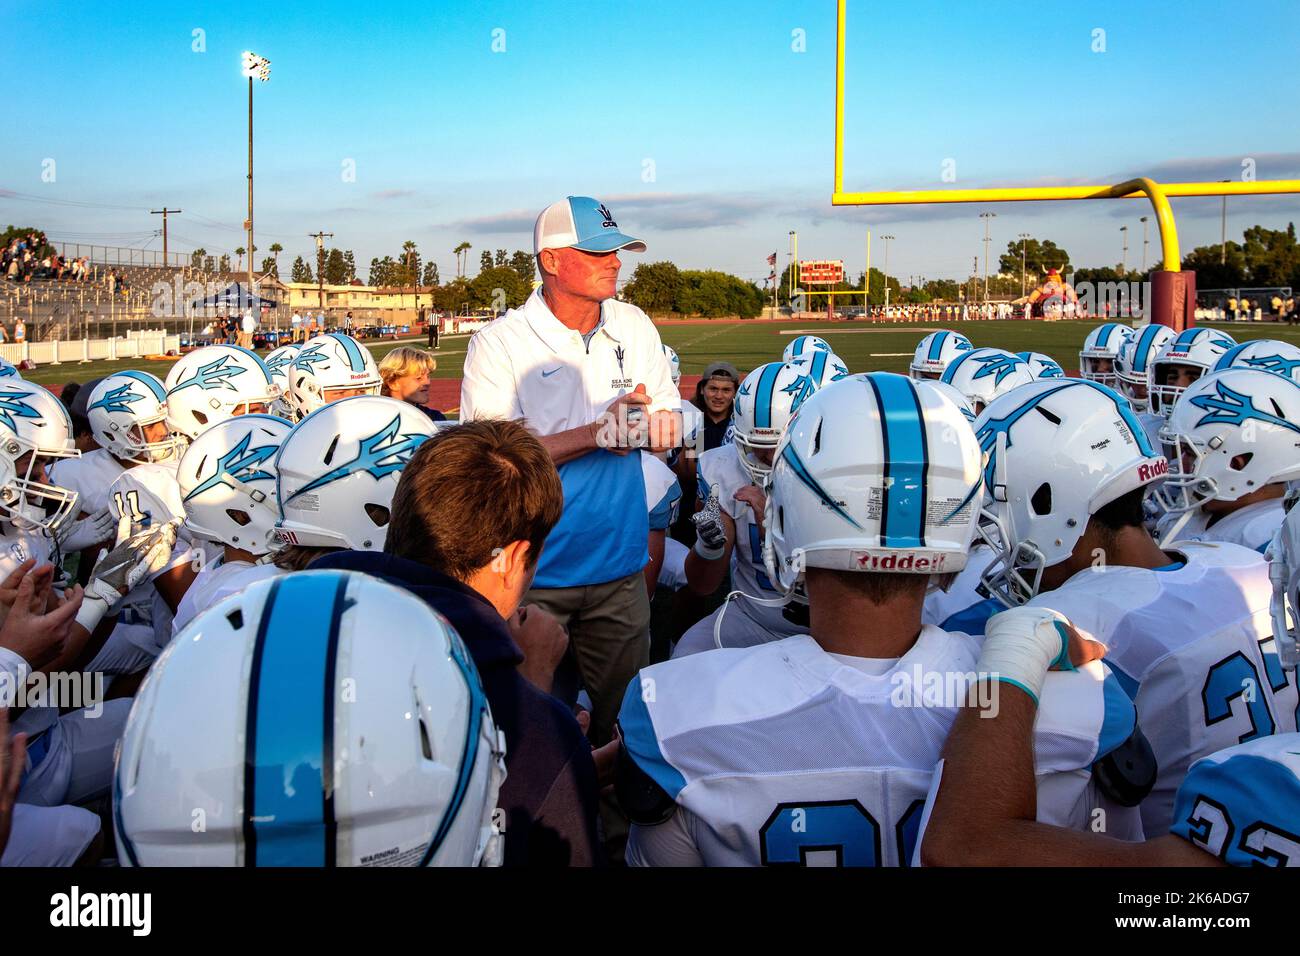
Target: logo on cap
x: 607, y: 216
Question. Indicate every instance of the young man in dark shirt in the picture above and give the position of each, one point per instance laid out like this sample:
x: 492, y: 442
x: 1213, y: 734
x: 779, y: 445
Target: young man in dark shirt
x: 468, y: 520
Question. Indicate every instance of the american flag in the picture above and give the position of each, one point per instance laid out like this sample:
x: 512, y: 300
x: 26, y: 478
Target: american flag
x: 771, y: 260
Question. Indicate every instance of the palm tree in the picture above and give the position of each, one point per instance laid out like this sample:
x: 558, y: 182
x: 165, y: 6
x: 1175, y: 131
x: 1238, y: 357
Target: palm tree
x: 276, y: 249
x: 239, y: 251
x: 462, y: 249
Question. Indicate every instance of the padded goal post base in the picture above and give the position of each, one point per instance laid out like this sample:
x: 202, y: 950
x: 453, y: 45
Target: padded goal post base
x: 1173, y: 299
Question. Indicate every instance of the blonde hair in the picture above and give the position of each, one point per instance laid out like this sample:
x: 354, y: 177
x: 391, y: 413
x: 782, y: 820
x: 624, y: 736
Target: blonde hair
x: 403, y: 361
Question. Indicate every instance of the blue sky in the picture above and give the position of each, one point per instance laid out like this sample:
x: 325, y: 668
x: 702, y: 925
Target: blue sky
x: 708, y: 134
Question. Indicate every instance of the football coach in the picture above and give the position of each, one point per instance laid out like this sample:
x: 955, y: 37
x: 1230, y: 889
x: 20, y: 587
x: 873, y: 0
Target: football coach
x: 588, y: 376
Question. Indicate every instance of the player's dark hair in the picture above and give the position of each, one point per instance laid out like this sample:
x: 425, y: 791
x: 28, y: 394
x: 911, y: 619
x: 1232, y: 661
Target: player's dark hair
x: 879, y: 587
x: 296, y: 557
x: 1124, y: 512
x: 470, y: 490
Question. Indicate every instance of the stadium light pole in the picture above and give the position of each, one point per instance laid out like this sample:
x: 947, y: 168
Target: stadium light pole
x: 887, y: 240
x: 986, y: 216
x: 794, y: 266
x: 1143, y: 220
x: 255, y: 68
x: 1123, y: 262
x: 1024, y: 238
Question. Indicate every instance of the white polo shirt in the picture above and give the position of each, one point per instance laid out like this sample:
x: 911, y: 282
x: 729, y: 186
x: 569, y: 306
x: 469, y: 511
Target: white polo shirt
x: 528, y: 365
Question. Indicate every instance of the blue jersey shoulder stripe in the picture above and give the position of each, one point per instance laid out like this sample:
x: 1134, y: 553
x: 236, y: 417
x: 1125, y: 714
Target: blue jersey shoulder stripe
x: 1119, y: 718
x: 641, y: 743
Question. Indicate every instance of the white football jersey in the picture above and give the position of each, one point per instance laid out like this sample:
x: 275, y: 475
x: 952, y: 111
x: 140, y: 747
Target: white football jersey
x: 961, y: 607
x: 216, y: 582
x: 90, y: 476
x: 16, y: 546
x: 1242, y: 804
x: 1251, y: 527
x: 720, y: 468
x: 662, y: 491
x: 1193, y: 646
x: 783, y: 754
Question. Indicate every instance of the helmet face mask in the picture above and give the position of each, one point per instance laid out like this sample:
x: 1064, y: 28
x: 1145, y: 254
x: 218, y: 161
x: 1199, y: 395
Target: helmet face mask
x: 1101, y: 350
x: 1193, y: 351
x: 328, y: 368
x: 1133, y: 364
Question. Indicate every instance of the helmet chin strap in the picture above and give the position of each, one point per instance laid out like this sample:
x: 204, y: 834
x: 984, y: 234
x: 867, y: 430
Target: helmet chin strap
x: 722, y: 611
x: 1176, y: 528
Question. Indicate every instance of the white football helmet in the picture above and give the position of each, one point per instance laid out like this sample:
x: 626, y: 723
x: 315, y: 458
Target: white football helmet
x: 985, y: 374
x: 1284, y: 572
x: 1267, y: 355
x: 935, y: 351
x: 877, y: 472
x: 674, y: 364
x: 337, y: 471
x: 119, y: 410
x: 1056, y: 452
x: 327, y: 365
x: 227, y: 482
x: 802, y: 344
x: 277, y: 363
x: 957, y: 397
x: 1230, y: 433
x: 822, y: 367
x: 33, y: 424
x: 765, y: 402
x: 1134, y: 362
x: 320, y: 719
x: 9, y: 370
x: 1042, y: 365
x: 214, y: 383
x: 1199, y: 348
x: 1102, y: 345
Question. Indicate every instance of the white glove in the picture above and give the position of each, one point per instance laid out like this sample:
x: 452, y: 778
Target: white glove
x: 91, y: 530
x: 1021, y: 645
x: 711, y: 534
x: 117, y: 572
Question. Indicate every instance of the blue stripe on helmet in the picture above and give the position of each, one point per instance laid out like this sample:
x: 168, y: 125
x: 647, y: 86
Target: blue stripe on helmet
x: 1103, y: 335
x: 801, y: 472
x: 1230, y: 356
x: 1187, y: 337
x: 906, y: 461
x: 951, y: 370
x: 149, y: 382
x: 289, y: 743
x: 936, y: 346
x: 356, y: 360
x: 763, y: 395
x: 818, y: 367
x: 1143, y: 349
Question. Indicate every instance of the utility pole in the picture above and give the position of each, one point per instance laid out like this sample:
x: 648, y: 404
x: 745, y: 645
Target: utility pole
x: 254, y: 67
x: 986, y: 216
x: 163, y: 212
x: 1023, y: 237
x: 320, y: 264
x: 794, y: 265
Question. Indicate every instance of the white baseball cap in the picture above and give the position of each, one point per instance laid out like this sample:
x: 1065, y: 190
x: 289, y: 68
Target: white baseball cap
x: 580, y: 222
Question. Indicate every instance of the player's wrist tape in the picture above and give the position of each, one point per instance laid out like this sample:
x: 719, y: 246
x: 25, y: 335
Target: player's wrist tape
x: 94, y: 609
x: 706, y: 552
x: 1021, y: 645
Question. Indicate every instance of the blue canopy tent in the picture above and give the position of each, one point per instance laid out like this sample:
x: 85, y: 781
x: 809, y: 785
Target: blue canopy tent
x: 234, y: 299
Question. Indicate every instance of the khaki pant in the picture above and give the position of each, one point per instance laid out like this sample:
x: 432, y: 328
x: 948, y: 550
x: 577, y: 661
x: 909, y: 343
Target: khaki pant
x: 246, y: 339
x: 609, y: 639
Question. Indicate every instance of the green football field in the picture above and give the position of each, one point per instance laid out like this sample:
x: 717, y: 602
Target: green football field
x: 863, y: 346
x: 867, y: 347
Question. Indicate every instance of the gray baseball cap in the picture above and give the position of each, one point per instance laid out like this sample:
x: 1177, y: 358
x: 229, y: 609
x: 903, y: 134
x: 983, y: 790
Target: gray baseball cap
x: 720, y: 370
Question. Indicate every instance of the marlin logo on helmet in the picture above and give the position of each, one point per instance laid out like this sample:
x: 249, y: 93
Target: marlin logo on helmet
x: 119, y: 399
x: 1231, y: 407
x: 1275, y: 364
x: 800, y: 388
x: 800, y: 471
x: 216, y: 374
x: 240, y: 463
x: 987, y: 434
x: 998, y: 365
x: 274, y: 365
x: 379, y: 455
x: 310, y: 356
x: 11, y: 404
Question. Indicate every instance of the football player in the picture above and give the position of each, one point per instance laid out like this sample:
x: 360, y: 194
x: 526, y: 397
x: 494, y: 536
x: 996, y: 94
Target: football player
x: 981, y: 375
x: 1187, y: 632
x: 228, y: 489
x: 1100, y: 352
x: 821, y: 367
x: 239, y: 728
x: 1042, y: 365
x: 820, y: 748
x: 663, y: 492
x: 277, y: 363
x: 935, y: 352
x: 729, y: 524
x: 1233, y: 441
x: 1265, y: 355
x: 330, y: 367
x: 1180, y: 362
x: 336, y: 474
x: 803, y: 343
